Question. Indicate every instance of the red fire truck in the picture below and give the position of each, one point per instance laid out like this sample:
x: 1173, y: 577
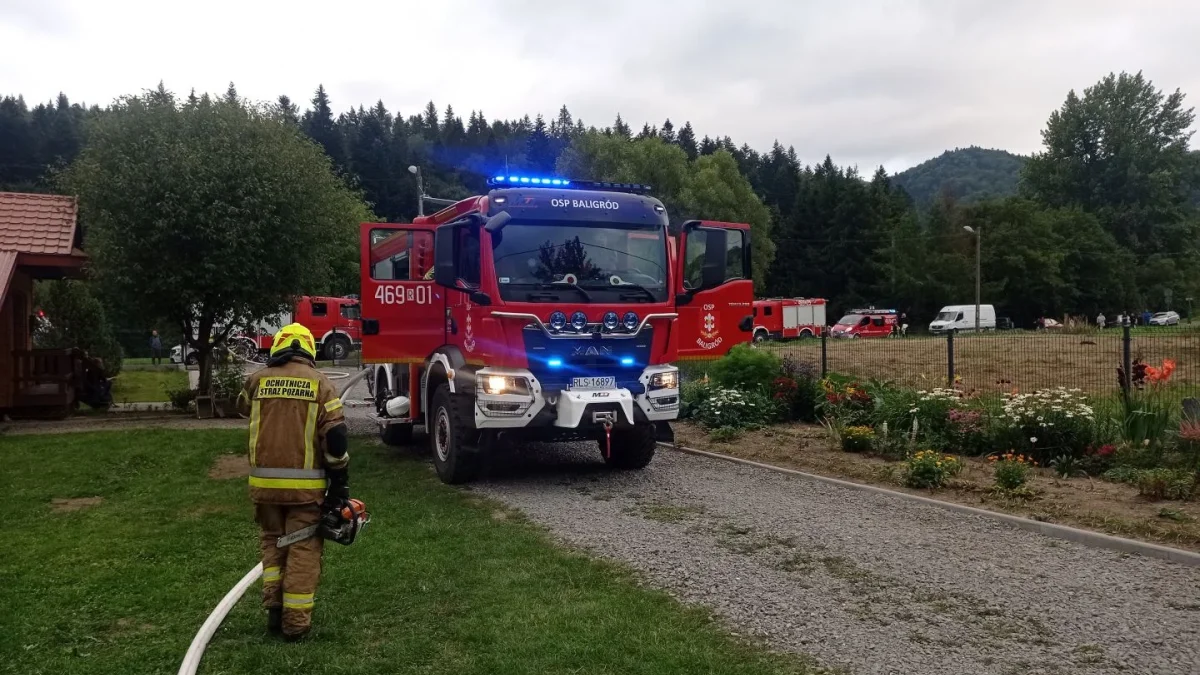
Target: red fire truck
x: 788, y: 318
x: 547, y: 309
x: 333, y: 322
x: 866, y: 323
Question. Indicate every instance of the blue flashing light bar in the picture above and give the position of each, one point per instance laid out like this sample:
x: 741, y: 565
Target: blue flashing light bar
x: 501, y: 180
x: 627, y: 360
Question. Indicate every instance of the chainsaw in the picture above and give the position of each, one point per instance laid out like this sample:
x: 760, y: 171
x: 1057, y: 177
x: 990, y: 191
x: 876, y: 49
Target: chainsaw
x: 339, y: 522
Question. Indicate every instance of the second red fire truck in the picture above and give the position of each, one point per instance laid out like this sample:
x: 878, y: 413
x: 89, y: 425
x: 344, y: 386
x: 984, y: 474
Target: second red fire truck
x: 547, y: 309
x: 788, y: 318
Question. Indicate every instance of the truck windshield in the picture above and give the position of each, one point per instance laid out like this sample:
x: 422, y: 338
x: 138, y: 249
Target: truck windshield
x: 550, y: 262
x: 946, y: 316
x: 850, y: 319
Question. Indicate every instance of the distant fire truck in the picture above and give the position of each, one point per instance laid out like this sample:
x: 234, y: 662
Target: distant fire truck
x: 547, y: 309
x: 333, y: 322
x: 788, y: 318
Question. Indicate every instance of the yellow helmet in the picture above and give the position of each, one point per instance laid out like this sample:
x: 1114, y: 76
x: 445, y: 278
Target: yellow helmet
x: 294, y: 336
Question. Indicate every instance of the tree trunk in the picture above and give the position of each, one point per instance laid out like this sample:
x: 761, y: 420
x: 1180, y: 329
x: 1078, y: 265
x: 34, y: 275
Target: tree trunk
x: 204, y: 387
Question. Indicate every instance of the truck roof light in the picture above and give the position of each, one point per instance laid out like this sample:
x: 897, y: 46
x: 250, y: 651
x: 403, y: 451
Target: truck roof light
x: 501, y: 180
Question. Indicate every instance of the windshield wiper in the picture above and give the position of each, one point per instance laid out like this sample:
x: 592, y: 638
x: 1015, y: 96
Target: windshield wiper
x: 562, y: 284
x: 650, y: 297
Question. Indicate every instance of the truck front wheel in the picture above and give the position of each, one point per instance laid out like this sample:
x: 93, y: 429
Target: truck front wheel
x: 448, y: 436
x: 632, y: 447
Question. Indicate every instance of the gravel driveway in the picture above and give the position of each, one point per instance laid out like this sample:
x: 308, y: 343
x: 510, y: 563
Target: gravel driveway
x: 865, y: 582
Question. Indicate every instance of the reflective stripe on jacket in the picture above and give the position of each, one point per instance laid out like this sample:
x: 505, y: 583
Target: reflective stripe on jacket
x: 291, y: 408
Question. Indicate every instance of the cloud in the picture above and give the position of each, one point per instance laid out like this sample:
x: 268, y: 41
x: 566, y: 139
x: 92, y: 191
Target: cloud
x: 871, y: 82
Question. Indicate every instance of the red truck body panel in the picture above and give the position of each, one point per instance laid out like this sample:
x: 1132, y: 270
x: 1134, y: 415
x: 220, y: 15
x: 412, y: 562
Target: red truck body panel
x: 789, y: 318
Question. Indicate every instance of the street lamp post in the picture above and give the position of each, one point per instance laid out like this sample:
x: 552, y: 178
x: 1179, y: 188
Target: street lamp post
x: 416, y: 170
x: 978, y: 232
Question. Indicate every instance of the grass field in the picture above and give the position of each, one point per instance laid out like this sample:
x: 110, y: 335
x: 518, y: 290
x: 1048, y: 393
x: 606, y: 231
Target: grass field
x: 1006, y: 360
x: 142, y: 386
x: 121, y: 543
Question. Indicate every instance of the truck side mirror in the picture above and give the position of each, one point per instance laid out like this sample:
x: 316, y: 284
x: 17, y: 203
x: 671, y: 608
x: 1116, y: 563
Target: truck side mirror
x: 445, y: 255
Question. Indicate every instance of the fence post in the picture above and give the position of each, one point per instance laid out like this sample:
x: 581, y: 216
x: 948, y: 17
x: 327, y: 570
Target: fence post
x: 1126, y: 357
x: 950, y: 358
x: 824, y: 354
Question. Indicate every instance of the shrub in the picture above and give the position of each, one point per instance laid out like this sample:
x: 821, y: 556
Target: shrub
x: 1066, y: 466
x: 746, y: 368
x: 1048, y: 423
x: 930, y: 469
x: 797, y: 399
x: 847, y: 402
x: 1159, y: 484
x: 725, y: 434
x: 858, y: 439
x: 735, y: 409
x: 692, y: 393
x: 228, y: 380
x: 1011, y: 472
x: 181, y: 398
x: 892, y: 444
x: 1148, y: 406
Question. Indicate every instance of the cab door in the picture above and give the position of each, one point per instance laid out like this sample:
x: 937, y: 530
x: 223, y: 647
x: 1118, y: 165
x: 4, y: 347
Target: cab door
x: 403, y: 312
x: 714, y: 291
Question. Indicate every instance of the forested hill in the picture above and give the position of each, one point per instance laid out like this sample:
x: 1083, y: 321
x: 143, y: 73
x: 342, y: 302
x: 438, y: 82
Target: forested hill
x: 967, y: 174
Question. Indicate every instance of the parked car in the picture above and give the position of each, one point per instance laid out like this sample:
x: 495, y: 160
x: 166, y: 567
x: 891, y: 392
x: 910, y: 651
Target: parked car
x: 961, y: 318
x: 1004, y: 323
x: 177, y: 356
x: 1165, y: 319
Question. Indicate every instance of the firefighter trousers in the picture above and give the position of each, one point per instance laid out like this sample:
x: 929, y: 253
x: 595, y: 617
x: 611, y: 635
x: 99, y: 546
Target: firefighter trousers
x: 290, y: 574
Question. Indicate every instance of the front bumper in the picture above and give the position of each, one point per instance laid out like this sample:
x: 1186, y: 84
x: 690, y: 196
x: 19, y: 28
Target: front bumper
x: 574, y: 409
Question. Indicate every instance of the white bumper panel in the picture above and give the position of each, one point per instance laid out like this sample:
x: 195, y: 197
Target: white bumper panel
x: 660, y: 405
x: 511, y: 411
x: 572, y: 404
x: 508, y: 411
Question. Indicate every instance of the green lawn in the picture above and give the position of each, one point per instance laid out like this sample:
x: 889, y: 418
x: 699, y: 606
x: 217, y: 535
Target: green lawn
x: 142, y: 386
x: 442, y: 582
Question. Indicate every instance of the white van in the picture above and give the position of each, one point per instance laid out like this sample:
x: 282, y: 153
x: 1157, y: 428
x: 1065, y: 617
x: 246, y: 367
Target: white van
x: 961, y: 318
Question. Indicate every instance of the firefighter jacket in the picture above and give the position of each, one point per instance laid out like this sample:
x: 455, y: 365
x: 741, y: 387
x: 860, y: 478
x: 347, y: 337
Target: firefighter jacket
x: 291, y: 407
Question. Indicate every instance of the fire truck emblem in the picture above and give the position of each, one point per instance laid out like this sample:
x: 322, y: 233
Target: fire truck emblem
x: 708, y: 326
x: 469, y: 337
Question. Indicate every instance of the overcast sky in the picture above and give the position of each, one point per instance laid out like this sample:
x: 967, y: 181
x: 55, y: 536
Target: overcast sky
x: 889, y: 82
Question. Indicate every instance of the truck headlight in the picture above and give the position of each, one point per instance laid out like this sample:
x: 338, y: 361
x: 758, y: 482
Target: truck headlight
x: 500, y: 384
x: 665, y: 380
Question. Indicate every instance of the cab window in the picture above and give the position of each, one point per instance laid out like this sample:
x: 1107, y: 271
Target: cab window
x: 866, y: 321
x: 350, y: 312
x: 767, y: 310
x: 320, y: 309
x: 735, y: 263
x: 959, y: 317
x: 697, y: 241
x: 877, y: 321
x: 401, y: 255
x: 468, y: 256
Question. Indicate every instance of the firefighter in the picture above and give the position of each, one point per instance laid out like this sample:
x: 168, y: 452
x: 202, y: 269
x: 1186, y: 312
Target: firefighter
x: 298, y: 461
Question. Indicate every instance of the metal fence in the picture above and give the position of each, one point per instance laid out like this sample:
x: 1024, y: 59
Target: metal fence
x: 1010, y: 360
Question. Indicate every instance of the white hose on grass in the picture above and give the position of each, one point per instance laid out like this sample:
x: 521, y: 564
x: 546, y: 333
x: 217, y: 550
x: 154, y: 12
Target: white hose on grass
x: 191, y: 660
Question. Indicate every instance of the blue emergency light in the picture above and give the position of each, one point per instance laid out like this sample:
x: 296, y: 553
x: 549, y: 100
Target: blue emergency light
x: 514, y: 180
x: 554, y: 363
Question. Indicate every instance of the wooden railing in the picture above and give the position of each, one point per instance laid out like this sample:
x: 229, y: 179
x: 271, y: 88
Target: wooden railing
x: 47, y: 377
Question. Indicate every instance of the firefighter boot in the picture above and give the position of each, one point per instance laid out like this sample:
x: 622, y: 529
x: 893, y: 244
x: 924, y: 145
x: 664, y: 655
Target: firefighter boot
x: 275, y: 620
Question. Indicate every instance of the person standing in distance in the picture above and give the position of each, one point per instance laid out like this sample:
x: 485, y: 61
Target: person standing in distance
x: 298, y: 460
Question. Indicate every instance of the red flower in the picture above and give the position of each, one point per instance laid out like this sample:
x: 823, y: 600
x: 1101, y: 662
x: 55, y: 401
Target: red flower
x: 1106, y: 450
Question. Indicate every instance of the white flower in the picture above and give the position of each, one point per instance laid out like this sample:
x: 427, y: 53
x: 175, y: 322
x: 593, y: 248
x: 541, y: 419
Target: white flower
x: 1033, y: 439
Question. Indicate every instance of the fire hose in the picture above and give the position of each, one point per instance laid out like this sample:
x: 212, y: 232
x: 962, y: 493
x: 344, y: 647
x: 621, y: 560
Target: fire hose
x: 191, y: 660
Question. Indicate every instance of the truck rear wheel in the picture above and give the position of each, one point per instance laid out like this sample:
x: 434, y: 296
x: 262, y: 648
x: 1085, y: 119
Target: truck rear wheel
x: 632, y: 447
x: 336, y: 348
x: 448, y: 436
